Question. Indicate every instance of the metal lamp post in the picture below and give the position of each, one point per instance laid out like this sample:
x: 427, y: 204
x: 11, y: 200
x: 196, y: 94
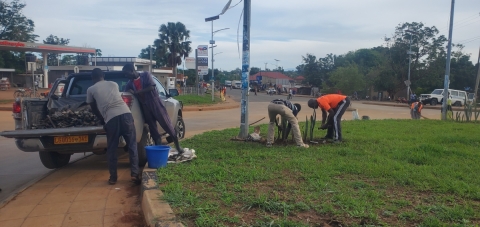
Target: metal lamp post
x: 409, y: 61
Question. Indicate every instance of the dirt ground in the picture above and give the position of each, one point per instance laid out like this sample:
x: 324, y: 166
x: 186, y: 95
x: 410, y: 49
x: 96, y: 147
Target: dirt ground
x: 8, y: 94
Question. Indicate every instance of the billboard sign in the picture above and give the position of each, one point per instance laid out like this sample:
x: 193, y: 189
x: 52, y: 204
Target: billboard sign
x: 202, y: 61
x: 202, y: 50
x: 202, y: 73
x: 190, y: 63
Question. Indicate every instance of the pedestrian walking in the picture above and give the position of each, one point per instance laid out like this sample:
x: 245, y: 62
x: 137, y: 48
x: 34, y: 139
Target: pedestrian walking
x: 143, y: 87
x: 335, y: 105
x: 107, y: 104
x: 287, y: 111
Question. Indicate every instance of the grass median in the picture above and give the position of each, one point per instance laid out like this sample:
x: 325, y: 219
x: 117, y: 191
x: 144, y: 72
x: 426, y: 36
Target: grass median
x: 387, y: 172
x: 190, y: 100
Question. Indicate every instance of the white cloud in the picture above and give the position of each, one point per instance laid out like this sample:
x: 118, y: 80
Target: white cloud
x: 281, y: 29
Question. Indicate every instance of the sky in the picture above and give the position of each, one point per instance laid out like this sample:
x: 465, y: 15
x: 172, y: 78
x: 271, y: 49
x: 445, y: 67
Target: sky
x: 284, y: 30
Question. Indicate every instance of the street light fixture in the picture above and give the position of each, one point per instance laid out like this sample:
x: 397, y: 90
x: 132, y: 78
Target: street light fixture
x: 276, y: 63
x: 211, y: 43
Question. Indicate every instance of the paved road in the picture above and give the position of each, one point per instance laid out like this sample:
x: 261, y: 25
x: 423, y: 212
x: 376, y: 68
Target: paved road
x: 17, y: 168
x: 260, y: 97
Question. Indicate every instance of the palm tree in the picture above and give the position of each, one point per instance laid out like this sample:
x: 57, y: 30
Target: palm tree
x: 172, y: 44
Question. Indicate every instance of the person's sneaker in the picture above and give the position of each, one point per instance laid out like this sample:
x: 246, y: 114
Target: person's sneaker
x: 112, y: 182
x: 269, y: 144
x: 337, y: 141
x: 136, y: 180
x: 303, y: 145
x: 327, y: 138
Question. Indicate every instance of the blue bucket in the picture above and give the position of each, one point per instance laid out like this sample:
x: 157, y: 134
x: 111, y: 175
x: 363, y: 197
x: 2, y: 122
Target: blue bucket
x: 157, y: 156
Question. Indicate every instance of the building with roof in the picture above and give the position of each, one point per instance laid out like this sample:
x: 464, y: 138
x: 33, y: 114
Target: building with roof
x: 271, y: 77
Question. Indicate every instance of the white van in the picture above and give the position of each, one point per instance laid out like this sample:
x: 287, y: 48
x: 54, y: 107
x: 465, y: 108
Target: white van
x: 458, y: 97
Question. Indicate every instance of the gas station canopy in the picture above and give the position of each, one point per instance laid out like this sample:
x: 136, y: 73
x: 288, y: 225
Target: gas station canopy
x: 10, y: 45
x: 42, y: 48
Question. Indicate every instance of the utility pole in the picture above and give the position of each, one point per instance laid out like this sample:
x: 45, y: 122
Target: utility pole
x: 409, y: 62
x: 266, y: 66
x: 447, y: 67
x: 213, y: 69
x: 150, y: 50
x: 478, y: 77
x: 245, y: 69
x: 197, y: 85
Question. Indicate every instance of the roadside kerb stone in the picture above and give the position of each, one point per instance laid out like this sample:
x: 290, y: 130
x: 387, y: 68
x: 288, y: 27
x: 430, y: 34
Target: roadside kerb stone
x: 439, y: 107
x: 156, y: 211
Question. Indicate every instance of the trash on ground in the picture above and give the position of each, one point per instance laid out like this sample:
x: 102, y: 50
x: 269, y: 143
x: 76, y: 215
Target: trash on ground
x: 187, y: 155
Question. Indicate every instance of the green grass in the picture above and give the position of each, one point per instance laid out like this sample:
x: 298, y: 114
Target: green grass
x: 7, y: 101
x: 205, y: 99
x: 388, y: 172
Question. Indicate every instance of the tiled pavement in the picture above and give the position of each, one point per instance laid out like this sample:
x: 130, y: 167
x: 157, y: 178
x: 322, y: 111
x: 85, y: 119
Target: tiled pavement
x: 78, y: 195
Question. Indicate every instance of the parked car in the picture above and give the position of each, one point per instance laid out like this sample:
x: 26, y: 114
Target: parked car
x: 458, y: 97
x: 271, y: 91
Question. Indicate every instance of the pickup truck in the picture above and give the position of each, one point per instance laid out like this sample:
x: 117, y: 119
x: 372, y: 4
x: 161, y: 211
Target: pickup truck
x: 56, y: 145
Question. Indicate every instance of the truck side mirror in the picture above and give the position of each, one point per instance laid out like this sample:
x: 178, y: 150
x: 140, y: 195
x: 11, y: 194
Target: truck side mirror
x: 173, y: 92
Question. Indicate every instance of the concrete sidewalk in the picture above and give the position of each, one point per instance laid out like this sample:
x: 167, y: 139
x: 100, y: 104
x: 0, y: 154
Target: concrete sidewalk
x: 77, y: 196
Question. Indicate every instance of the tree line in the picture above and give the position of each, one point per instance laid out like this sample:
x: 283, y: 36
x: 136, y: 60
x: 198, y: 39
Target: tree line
x: 385, y: 68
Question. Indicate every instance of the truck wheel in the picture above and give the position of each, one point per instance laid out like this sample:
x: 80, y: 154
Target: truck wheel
x: 457, y: 103
x: 145, y: 141
x: 433, y: 102
x: 180, y: 127
x: 53, y: 160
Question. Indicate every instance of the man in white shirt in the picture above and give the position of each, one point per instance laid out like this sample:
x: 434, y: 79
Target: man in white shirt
x: 107, y: 104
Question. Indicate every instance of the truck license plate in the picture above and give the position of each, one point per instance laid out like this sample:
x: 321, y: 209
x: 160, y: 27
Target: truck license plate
x: 70, y: 139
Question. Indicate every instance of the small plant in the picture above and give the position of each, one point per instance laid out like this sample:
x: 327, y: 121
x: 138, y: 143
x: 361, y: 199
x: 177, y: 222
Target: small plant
x: 309, y: 127
x: 470, y: 113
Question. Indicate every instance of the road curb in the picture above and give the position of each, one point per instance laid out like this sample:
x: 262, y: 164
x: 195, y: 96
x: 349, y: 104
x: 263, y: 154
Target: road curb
x: 156, y: 211
x: 5, y: 108
x: 212, y: 107
x: 407, y: 106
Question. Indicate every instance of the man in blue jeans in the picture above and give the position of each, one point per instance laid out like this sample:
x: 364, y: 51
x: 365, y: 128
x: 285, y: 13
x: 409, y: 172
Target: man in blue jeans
x: 107, y: 104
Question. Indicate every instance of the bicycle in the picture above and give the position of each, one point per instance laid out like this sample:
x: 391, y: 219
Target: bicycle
x: 26, y: 92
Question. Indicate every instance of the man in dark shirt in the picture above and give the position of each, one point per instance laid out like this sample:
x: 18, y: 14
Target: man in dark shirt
x: 143, y: 87
x: 288, y: 111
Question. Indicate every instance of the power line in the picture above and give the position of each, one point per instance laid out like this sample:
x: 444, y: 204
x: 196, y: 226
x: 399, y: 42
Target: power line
x: 476, y: 37
x: 464, y: 25
x: 469, y: 18
x: 470, y: 40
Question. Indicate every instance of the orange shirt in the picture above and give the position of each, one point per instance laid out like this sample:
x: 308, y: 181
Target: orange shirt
x: 331, y: 101
x: 420, y: 106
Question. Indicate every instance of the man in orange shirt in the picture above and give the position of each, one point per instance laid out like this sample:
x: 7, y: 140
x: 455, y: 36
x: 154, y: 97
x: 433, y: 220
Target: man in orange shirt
x: 416, y: 110
x: 335, y: 105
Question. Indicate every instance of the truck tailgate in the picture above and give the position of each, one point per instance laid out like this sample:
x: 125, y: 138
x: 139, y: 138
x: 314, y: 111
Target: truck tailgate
x: 32, y: 133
